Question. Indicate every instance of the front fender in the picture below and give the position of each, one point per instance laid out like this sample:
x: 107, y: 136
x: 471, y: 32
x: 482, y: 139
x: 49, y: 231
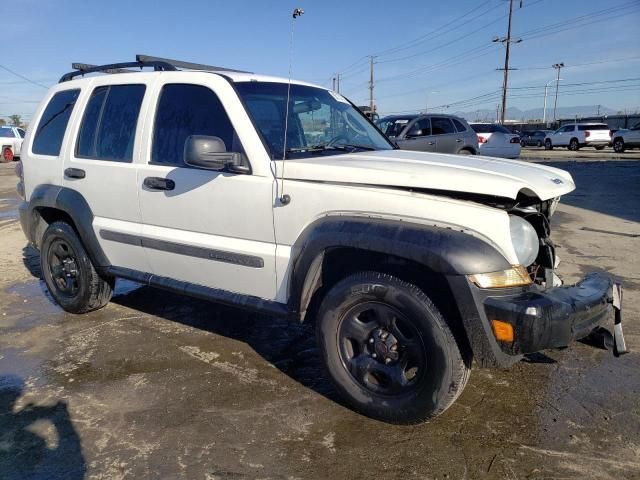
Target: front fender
x: 441, y: 250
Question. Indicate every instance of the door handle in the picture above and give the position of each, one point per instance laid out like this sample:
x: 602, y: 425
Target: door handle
x: 74, y: 173
x: 459, y: 140
x: 159, y: 183
x: 431, y: 143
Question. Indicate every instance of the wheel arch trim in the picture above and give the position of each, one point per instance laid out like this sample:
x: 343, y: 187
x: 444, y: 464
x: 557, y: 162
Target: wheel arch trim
x: 75, y: 206
x: 441, y: 250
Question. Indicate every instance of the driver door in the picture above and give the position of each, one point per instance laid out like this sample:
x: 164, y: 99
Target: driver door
x: 206, y: 227
x: 418, y: 137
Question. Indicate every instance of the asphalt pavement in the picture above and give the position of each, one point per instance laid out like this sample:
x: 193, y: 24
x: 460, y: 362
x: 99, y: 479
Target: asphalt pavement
x: 160, y: 386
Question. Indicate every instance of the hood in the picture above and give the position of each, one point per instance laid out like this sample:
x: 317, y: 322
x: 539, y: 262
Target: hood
x: 434, y: 171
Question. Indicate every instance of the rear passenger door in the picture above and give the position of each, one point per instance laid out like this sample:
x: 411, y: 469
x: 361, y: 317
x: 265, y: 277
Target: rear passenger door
x: 100, y: 165
x: 447, y: 139
x: 205, y: 227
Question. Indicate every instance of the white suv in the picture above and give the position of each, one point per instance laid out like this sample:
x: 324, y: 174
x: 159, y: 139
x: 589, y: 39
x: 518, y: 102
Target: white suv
x: 627, y: 139
x: 577, y: 135
x: 209, y: 183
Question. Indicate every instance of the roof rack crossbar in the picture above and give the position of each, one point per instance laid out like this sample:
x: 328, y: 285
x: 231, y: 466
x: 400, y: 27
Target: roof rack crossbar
x: 187, y: 65
x: 87, y: 66
x: 157, y: 66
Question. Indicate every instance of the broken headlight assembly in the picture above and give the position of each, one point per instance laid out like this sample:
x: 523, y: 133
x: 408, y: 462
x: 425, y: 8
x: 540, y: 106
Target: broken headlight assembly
x: 524, y: 239
x: 516, y: 276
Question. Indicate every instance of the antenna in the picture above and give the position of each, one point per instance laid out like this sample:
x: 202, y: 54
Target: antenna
x: 285, y: 199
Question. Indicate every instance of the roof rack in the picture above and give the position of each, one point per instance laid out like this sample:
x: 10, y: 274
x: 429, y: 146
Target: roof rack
x: 157, y: 63
x: 187, y: 65
x: 113, y: 67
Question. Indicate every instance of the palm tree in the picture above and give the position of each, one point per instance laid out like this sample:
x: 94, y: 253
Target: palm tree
x: 16, y: 120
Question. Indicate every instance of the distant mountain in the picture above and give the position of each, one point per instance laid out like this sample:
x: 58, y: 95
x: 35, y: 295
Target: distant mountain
x: 514, y: 113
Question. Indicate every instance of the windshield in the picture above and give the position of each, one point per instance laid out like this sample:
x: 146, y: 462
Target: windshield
x: 6, y: 133
x: 392, y: 127
x: 320, y: 121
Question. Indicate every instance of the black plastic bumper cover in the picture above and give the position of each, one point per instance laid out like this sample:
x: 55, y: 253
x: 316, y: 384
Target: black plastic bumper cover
x: 554, y: 317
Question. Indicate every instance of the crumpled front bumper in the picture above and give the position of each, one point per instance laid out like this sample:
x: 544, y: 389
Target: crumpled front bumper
x: 541, y: 318
x: 553, y: 317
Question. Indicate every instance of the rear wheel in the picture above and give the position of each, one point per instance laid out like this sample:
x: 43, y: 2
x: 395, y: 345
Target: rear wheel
x: 573, y: 145
x: 548, y: 145
x: 522, y: 144
x: 7, y: 154
x: 68, y: 272
x: 618, y: 145
x: 388, y: 349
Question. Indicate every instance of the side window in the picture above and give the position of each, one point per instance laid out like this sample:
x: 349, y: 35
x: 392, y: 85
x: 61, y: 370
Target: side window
x: 109, y: 124
x: 459, y: 126
x: 53, y: 124
x: 441, y: 126
x: 421, y: 128
x: 568, y: 128
x: 184, y: 110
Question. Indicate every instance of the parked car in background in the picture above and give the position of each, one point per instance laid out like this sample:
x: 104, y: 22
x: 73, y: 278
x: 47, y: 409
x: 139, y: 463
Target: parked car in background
x: 11, y: 142
x: 430, y: 133
x: 496, y: 140
x: 534, y: 139
x: 626, y: 139
x: 577, y: 135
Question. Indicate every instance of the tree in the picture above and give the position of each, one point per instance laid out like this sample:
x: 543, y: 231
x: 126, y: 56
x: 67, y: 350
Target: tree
x: 3, y: 122
x: 16, y: 120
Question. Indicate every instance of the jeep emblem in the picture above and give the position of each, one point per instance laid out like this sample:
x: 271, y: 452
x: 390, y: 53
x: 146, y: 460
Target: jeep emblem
x: 557, y: 181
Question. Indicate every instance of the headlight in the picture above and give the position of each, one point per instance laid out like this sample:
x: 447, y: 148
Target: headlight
x: 524, y: 239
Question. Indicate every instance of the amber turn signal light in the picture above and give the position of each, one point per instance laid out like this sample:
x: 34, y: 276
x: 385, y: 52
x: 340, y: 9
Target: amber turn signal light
x: 502, y: 330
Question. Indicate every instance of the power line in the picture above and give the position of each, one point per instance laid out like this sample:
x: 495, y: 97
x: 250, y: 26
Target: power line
x: 23, y: 77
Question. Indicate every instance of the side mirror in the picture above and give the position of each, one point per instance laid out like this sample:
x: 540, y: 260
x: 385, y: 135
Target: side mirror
x: 415, y: 133
x: 211, y: 153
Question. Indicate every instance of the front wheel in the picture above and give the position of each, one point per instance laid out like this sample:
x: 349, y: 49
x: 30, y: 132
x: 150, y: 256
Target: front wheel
x: 522, y: 144
x: 548, y: 145
x: 388, y: 350
x: 68, y: 272
x: 465, y: 151
x: 618, y: 145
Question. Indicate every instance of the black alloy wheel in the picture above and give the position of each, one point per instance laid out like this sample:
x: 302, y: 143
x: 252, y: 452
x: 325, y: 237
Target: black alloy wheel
x: 573, y: 145
x: 62, y: 264
x: 381, y: 349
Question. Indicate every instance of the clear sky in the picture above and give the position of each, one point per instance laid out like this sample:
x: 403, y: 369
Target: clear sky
x: 435, y: 52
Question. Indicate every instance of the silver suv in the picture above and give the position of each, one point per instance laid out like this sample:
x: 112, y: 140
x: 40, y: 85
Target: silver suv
x: 431, y: 133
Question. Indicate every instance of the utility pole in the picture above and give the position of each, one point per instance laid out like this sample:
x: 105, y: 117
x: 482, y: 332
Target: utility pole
x: 557, y: 66
x: 334, y: 84
x: 371, y: 85
x: 338, y: 83
x: 506, y: 41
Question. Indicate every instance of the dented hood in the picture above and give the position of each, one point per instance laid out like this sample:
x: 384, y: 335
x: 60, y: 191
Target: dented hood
x: 435, y: 171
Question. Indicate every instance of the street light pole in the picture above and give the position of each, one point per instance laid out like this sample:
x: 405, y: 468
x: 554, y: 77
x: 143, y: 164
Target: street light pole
x: 557, y: 66
x: 544, y: 111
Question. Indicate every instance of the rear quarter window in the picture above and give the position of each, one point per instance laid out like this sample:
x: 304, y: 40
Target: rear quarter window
x: 459, y: 125
x: 53, y: 123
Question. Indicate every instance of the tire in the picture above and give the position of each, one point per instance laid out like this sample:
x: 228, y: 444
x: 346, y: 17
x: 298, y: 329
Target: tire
x: 548, y: 145
x: 600, y: 147
x: 574, y: 146
x: 465, y: 151
x: 539, y: 144
x: 522, y: 143
x: 7, y: 155
x: 69, y: 274
x: 377, y: 335
x: 618, y: 145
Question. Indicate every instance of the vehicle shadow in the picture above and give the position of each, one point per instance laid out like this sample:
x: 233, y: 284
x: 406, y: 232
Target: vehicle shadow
x: 609, y: 187
x: 287, y: 345
x: 36, y: 441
